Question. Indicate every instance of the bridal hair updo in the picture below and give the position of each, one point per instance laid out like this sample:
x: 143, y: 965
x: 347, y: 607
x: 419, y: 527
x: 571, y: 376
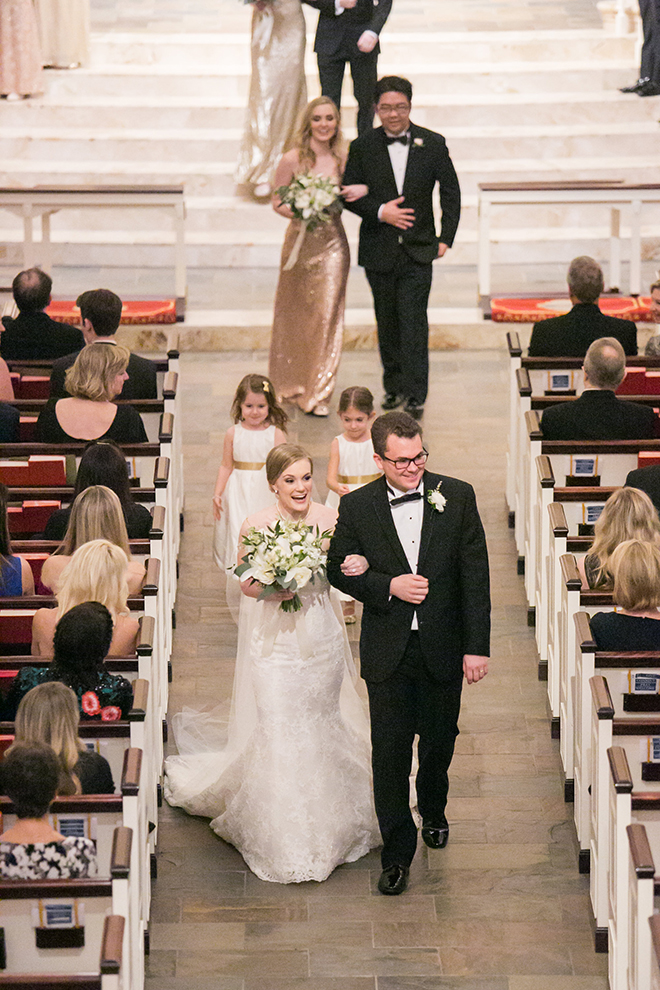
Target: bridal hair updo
x: 303, y: 139
x: 282, y: 457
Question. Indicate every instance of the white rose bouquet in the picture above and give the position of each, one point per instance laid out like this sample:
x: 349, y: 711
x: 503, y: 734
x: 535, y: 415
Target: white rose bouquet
x: 310, y: 198
x: 284, y: 557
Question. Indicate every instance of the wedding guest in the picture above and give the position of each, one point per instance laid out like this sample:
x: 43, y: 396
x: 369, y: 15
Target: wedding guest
x: 64, y: 31
x: 308, y: 318
x: 32, y: 335
x: 95, y: 515
x: 16, y: 576
x: 50, y: 713
x: 80, y: 645
x: 103, y: 463
x: 278, y: 92
x: 96, y: 573
x: 93, y: 381
x: 635, y: 566
x: 32, y: 849
x: 653, y: 344
x: 100, y: 316
x: 628, y: 514
x: 20, y: 64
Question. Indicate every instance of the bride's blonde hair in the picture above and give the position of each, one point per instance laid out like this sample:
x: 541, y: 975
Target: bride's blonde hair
x: 303, y: 139
x: 283, y: 456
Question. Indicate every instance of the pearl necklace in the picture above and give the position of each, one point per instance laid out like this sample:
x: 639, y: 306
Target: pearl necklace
x: 288, y: 518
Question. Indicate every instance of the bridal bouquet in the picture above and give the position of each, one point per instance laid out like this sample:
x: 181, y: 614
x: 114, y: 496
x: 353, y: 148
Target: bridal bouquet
x: 284, y: 557
x: 310, y: 197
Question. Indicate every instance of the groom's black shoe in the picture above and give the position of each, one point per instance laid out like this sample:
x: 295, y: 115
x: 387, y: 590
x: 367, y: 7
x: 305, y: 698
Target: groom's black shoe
x: 393, y: 880
x: 436, y: 833
x: 392, y: 401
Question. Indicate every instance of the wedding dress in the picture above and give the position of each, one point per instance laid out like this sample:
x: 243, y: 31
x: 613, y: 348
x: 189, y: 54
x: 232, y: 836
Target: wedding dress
x: 290, y: 784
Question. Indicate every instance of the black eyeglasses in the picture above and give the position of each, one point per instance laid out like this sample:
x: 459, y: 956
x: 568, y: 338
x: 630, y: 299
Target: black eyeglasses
x: 401, y: 463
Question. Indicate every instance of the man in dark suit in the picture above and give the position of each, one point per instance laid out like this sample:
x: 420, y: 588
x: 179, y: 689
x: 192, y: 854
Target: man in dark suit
x: 401, y: 164
x: 425, y: 626
x: 648, y: 83
x: 598, y: 414
x: 571, y: 334
x: 647, y: 479
x: 100, y: 315
x: 32, y: 335
x: 348, y: 31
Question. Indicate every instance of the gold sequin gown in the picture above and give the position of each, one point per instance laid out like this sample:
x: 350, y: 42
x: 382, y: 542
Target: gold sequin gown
x: 278, y: 91
x: 308, y: 321
x: 20, y: 52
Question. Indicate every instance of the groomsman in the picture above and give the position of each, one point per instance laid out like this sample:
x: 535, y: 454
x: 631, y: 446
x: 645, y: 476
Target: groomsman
x: 401, y: 164
x: 348, y: 31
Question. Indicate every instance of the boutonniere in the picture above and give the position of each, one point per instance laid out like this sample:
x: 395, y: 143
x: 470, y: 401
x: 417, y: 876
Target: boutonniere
x: 418, y: 142
x: 437, y: 499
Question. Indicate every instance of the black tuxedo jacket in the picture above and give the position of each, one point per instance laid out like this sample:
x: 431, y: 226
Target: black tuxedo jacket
x: 454, y: 618
x: 599, y: 415
x: 428, y: 163
x: 336, y: 30
x: 647, y: 479
x: 571, y: 334
x: 141, y: 384
x: 32, y: 336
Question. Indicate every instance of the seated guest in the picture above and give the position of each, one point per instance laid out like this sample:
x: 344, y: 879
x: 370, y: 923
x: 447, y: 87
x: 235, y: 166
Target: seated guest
x: 628, y: 514
x: 32, y: 849
x: 16, y: 576
x: 653, y: 345
x: 647, y: 479
x: 635, y: 566
x: 93, y: 381
x: 100, y: 315
x: 571, y: 334
x: 103, y: 463
x: 33, y: 335
x: 81, y: 643
x: 49, y: 713
x: 95, y: 515
x: 598, y: 414
x: 96, y: 573
x: 10, y: 423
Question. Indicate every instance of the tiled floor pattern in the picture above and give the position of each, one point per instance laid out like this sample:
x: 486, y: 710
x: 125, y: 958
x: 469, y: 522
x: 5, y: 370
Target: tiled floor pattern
x: 503, y: 907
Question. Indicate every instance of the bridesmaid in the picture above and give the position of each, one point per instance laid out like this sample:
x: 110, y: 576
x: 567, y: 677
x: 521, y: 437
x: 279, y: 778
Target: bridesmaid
x: 20, y: 54
x: 278, y: 91
x: 308, y: 321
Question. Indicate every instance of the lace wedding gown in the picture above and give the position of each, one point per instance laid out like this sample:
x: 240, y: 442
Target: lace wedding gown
x: 291, y: 786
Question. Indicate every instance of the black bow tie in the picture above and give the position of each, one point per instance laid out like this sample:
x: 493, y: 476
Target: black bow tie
x: 402, y: 139
x: 409, y: 497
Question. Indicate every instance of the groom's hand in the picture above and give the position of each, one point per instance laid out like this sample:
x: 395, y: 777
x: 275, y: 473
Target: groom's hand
x: 396, y: 215
x: 475, y: 668
x: 411, y: 588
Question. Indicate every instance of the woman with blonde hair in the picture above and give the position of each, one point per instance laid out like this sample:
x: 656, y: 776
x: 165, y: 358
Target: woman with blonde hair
x: 95, y: 378
x: 629, y: 514
x: 308, y: 320
x: 49, y: 713
x: 96, y: 514
x: 635, y: 566
x: 95, y: 573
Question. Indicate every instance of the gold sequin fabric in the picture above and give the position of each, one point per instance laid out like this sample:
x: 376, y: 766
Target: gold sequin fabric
x: 20, y: 51
x: 278, y: 91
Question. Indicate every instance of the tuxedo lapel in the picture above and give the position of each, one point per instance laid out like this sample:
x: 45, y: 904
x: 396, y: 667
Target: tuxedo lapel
x: 386, y: 161
x: 384, y: 515
x: 428, y: 524
x: 412, y: 163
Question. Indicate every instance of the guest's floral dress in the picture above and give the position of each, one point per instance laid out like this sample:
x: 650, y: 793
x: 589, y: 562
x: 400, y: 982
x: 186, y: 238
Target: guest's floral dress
x: 67, y: 859
x: 111, y: 698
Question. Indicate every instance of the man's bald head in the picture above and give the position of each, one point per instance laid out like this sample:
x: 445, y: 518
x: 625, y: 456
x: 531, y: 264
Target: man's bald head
x: 31, y: 290
x: 605, y: 363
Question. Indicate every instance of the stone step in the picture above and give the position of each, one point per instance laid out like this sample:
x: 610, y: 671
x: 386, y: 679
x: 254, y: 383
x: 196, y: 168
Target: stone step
x: 435, y: 111
x: 464, y: 78
x: 233, y: 49
x: 215, y: 145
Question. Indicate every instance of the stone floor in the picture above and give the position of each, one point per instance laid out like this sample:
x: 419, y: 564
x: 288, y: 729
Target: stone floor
x: 503, y: 907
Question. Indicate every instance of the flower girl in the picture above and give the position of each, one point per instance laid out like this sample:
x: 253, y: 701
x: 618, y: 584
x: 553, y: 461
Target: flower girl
x: 241, y: 488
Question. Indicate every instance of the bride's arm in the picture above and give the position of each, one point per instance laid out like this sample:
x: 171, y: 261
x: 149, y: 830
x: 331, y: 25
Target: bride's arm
x: 283, y: 176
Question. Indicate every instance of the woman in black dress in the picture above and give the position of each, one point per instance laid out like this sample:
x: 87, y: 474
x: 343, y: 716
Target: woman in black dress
x: 635, y: 566
x: 95, y: 378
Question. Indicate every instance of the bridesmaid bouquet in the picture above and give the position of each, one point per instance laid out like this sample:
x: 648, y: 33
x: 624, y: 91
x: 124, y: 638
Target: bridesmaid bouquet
x: 310, y: 198
x: 284, y: 557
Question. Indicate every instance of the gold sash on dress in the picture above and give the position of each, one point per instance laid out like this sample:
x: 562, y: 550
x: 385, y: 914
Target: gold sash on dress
x: 249, y: 465
x: 356, y: 479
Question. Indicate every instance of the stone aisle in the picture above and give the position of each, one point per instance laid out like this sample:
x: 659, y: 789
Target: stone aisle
x: 503, y: 906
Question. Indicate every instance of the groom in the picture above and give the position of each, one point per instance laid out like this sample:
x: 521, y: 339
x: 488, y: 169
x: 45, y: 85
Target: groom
x: 425, y: 626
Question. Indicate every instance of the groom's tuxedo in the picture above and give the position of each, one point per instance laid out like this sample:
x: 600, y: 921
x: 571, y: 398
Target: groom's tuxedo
x: 398, y: 263
x: 414, y: 678
x: 337, y: 36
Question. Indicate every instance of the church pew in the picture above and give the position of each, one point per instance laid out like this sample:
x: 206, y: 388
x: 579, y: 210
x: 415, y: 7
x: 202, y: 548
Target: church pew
x: 110, y: 974
x: 637, y: 899
x: 654, y: 925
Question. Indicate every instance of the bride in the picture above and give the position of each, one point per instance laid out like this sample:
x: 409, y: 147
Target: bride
x: 291, y: 787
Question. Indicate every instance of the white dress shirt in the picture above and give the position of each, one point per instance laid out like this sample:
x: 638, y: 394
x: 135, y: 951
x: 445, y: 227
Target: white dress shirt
x: 407, y: 519
x: 399, y: 158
